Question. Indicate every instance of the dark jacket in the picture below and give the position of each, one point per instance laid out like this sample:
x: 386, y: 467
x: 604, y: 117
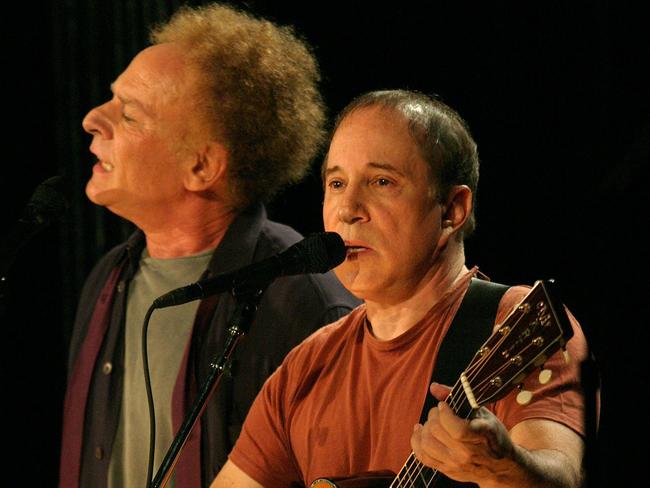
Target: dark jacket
x: 290, y: 309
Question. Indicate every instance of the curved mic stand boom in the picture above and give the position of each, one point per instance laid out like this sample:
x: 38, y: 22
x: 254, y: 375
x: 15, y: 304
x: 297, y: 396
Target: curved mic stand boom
x: 247, y: 299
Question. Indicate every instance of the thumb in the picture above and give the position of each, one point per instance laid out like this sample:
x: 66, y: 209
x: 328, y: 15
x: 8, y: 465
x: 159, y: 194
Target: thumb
x: 440, y: 392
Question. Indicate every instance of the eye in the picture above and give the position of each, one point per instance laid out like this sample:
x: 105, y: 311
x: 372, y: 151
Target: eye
x: 334, y: 184
x: 383, y: 181
x: 126, y: 118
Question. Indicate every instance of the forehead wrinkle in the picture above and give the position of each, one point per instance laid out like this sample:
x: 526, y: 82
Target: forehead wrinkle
x: 148, y: 95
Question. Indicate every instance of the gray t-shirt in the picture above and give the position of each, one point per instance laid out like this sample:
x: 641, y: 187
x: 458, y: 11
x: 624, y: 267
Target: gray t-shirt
x: 168, y: 332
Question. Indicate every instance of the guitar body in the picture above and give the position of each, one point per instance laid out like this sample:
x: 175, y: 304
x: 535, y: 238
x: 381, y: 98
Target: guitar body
x: 381, y: 479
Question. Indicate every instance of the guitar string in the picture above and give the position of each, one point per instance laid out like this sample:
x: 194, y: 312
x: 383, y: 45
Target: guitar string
x: 455, y: 400
x: 482, y: 387
x: 414, y: 468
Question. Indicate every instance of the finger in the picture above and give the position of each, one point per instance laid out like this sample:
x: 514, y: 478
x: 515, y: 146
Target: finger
x: 439, y: 391
x: 433, y: 416
x: 456, y: 427
x: 424, y: 447
x: 437, y: 430
x: 496, y: 438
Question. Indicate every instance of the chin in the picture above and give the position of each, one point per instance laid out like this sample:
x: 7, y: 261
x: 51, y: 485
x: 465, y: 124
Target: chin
x: 99, y: 196
x: 92, y: 192
x: 350, y: 279
x: 96, y: 196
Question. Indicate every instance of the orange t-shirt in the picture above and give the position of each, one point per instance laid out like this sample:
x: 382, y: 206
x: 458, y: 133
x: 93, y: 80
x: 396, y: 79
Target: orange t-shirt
x: 344, y: 402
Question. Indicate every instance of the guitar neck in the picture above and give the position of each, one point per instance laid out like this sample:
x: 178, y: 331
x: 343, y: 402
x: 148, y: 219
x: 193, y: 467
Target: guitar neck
x: 413, y: 472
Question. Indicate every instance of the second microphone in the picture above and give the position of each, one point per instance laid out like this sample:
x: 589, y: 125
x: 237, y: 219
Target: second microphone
x: 317, y: 253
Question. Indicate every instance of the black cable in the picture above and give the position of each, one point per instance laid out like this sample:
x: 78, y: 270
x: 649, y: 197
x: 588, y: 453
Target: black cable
x: 147, y: 384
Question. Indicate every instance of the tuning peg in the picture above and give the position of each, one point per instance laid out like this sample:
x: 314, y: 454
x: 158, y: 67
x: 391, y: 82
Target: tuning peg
x: 545, y: 376
x: 524, y: 397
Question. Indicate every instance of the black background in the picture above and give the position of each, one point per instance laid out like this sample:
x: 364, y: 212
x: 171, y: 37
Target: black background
x: 557, y: 99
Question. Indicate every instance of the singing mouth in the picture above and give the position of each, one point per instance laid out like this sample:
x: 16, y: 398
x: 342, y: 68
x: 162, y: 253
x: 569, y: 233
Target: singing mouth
x: 108, y: 167
x: 354, y: 249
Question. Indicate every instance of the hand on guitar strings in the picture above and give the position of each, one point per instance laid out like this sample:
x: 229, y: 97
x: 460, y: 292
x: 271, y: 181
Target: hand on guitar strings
x: 467, y: 450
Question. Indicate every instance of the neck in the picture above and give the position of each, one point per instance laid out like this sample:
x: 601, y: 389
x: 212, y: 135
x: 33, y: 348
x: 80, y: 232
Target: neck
x: 195, y: 232
x: 390, y: 320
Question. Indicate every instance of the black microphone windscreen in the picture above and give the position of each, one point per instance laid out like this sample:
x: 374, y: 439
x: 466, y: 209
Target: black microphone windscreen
x: 326, y: 251
x: 48, y: 202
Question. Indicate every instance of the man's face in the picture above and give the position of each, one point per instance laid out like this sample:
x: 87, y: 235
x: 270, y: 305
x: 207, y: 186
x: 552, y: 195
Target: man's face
x: 144, y: 136
x: 378, y: 198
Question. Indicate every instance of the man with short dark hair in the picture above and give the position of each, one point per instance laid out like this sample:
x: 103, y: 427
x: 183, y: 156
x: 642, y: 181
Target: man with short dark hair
x: 400, y: 178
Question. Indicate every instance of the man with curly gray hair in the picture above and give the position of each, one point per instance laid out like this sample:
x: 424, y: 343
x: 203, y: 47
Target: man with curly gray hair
x: 205, y: 126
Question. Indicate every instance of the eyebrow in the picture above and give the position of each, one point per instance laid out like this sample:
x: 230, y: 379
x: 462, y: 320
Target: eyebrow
x: 128, y: 101
x: 375, y: 165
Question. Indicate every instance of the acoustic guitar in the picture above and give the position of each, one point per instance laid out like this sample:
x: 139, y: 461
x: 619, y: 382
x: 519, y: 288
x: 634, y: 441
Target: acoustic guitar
x: 534, y: 330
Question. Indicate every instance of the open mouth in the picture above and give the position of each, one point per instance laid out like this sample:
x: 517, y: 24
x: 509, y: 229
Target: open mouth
x: 354, y: 250
x: 106, y: 166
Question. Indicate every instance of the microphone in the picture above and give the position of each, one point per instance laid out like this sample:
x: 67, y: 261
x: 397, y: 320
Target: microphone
x: 47, y: 204
x: 317, y: 253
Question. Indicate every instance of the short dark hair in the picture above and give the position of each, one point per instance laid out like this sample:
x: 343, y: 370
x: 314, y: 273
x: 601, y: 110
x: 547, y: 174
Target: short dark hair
x: 442, y: 136
x: 261, y: 92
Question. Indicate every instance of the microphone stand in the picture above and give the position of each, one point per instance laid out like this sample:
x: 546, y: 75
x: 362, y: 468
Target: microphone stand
x: 247, y: 299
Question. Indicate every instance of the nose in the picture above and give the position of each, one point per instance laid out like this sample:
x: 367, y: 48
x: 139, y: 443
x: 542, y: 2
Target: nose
x: 351, y: 208
x: 98, y: 122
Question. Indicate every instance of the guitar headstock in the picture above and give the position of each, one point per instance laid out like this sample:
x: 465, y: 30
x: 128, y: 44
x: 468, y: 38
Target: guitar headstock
x: 530, y: 334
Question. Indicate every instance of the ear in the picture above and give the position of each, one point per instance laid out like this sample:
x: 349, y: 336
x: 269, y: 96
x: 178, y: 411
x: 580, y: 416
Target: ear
x: 456, y: 211
x: 208, y: 167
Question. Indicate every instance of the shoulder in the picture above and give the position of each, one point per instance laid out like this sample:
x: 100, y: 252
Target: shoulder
x: 301, y: 368
x: 275, y: 237
x: 96, y: 278
x: 511, y: 298
x: 101, y: 270
x: 516, y: 294
x: 321, y: 295
x: 309, y: 301
x: 93, y: 286
x: 113, y: 257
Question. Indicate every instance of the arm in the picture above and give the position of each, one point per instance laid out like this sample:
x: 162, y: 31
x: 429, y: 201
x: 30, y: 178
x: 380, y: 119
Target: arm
x: 231, y: 476
x: 536, y: 453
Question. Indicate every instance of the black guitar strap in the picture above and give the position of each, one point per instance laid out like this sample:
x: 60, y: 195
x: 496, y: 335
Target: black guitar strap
x: 469, y: 329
